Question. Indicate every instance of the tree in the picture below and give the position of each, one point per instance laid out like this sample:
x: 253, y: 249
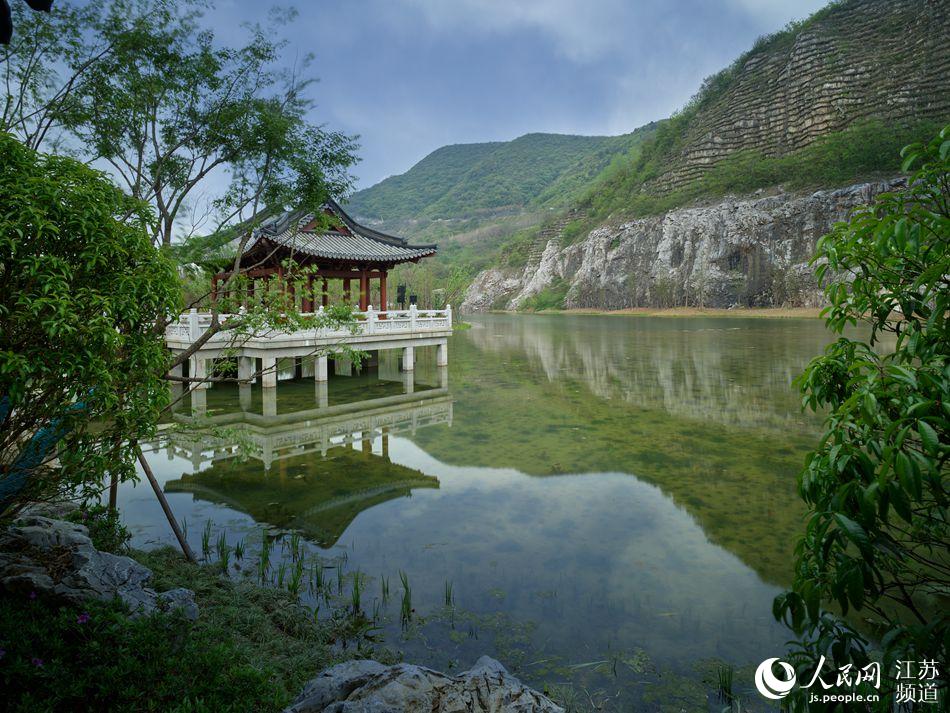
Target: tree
x: 169, y: 107
x: 81, y: 290
x: 45, y: 68
x: 877, y: 540
x: 139, y: 86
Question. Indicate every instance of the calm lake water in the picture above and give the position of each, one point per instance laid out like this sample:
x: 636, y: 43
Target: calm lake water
x: 611, y: 499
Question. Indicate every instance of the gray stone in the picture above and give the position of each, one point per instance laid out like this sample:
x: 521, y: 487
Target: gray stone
x: 56, y: 510
x: 56, y: 558
x: 179, y: 598
x: 370, y: 687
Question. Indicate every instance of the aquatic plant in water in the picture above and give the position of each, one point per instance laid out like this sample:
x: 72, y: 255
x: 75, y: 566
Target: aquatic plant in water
x: 384, y: 587
x: 405, y: 610
x: 263, y: 564
x: 449, y: 596
x: 725, y: 676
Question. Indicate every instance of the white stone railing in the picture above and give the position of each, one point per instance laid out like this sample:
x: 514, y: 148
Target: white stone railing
x: 191, y: 325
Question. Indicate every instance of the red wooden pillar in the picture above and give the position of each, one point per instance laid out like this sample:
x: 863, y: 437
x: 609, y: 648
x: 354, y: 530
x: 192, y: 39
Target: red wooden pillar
x: 347, y: 295
x: 325, y: 301
x: 364, y: 290
x: 383, y: 303
x: 307, y: 303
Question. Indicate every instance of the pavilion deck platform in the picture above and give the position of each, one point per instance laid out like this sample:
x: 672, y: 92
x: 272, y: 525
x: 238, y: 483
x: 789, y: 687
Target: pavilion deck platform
x: 374, y: 330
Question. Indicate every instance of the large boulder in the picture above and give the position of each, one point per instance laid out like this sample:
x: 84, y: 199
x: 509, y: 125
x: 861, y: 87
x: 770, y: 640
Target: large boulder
x: 371, y: 687
x: 56, y: 558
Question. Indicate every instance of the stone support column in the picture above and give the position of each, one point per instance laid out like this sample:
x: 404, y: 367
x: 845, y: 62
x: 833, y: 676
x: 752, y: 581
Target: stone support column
x: 320, y: 369
x: 269, y: 375
x: 246, y: 366
x: 198, y: 369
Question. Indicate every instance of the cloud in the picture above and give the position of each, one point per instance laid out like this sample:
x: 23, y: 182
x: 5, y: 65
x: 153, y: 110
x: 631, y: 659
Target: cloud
x: 580, y: 30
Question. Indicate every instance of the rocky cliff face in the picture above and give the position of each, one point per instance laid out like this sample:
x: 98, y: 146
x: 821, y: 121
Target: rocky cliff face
x: 752, y: 252
x: 852, y: 61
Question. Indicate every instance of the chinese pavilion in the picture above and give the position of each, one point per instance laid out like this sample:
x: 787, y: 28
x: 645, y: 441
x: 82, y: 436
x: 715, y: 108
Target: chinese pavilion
x: 345, y: 251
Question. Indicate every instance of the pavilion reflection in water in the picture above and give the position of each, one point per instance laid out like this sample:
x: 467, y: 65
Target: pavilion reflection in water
x: 313, y: 469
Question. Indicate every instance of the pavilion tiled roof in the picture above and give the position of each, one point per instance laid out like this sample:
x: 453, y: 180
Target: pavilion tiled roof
x: 355, y: 243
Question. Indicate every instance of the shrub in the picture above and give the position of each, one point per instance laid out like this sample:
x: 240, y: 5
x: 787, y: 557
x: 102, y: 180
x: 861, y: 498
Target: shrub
x: 105, y: 527
x: 551, y: 297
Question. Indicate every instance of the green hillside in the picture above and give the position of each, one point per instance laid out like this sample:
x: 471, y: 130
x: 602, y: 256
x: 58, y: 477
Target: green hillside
x: 467, y: 181
x: 408, y: 195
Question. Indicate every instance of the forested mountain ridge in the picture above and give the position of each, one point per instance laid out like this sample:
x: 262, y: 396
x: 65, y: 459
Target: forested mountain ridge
x: 477, y: 180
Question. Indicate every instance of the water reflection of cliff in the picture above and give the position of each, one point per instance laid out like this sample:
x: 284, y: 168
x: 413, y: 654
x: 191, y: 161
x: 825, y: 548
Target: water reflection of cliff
x: 314, y: 469
x: 693, y: 368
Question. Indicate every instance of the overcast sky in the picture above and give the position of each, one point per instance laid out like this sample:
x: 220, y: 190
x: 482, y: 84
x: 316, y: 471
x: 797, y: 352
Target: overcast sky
x: 410, y: 76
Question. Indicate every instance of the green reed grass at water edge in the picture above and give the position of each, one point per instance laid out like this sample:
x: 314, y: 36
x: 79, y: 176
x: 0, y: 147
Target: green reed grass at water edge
x: 296, y: 577
x: 356, y: 594
x: 206, y: 539
x: 224, y: 551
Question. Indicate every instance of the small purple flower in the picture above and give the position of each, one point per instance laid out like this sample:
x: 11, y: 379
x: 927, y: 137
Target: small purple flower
x: 83, y: 618
x: 32, y: 595
x: 38, y: 662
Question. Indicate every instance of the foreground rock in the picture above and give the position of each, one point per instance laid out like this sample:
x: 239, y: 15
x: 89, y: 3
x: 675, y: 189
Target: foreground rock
x: 371, y: 687
x: 751, y: 251
x: 57, y: 559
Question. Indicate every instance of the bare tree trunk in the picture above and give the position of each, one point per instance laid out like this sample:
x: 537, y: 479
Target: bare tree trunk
x: 185, y: 548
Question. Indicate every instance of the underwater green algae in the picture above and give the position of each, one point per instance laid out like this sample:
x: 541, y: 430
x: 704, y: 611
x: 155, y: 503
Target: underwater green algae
x: 551, y: 395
